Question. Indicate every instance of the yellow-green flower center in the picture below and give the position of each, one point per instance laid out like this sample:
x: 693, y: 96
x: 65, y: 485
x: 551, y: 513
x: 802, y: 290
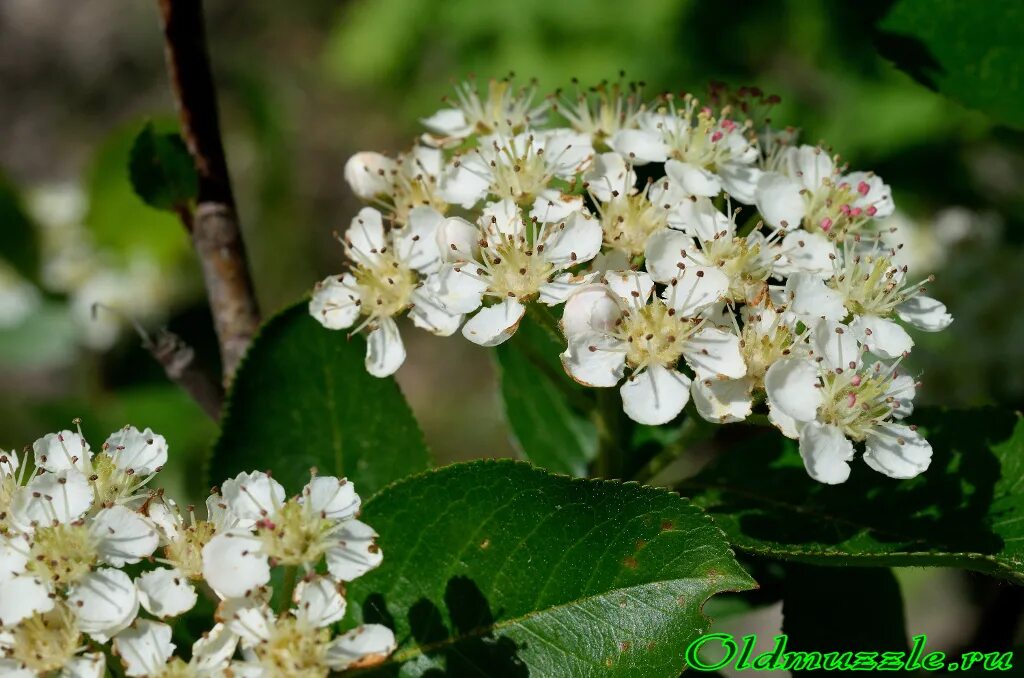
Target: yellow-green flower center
x: 386, y: 287
x: 293, y: 535
x: 46, y: 641
x: 62, y: 553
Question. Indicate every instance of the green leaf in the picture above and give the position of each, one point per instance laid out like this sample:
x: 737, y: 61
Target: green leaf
x: 539, y: 403
x: 865, y: 611
x: 119, y: 221
x: 500, y: 568
x: 966, y: 511
x: 161, y: 170
x: 302, y: 398
x: 45, y: 338
x: 969, y: 51
x: 18, y: 246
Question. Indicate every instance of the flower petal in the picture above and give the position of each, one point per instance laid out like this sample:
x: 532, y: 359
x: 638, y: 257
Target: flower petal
x: 594, y: 359
x: 902, y: 389
x: 463, y: 185
x: 639, y: 147
x: 429, y: 313
x: 123, y: 536
x: 450, y: 122
x: 319, y: 600
x: 144, y: 647
x: 336, y: 301
x: 21, y: 597
x: 87, y: 665
x: 665, y: 254
x: 701, y: 219
x: 214, y: 650
x: 723, y: 401
x: 365, y: 235
x: 792, y: 386
x: 137, y: 452
x: 60, y: 451
x: 836, y: 344
x: 558, y: 290
x: 695, y: 288
x: 779, y: 200
x: 355, y: 552
x: 574, y: 241
x: 252, y: 496
x: 884, y: 338
x: 826, y: 453
x: 331, y: 498
x: 458, y: 287
x: 692, y: 179
x: 385, y: 351
x: 416, y: 243
x: 551, y: 206
x: 925, y: 313
x: 104, y: 601
x: 632, y: 287
x: 740, y: 180
x: 808, y: 297
x: 590, y: 309
x: 898, y: 451
x: 655, y: 396
x: 363, y: 646
x: 165, y: 592
x: 369, y: 175
x: 713, y: 352
x: 234, y: 564
x: 493, y: 325
x: 608, y: 175
x: 52, y: 497
x: 807, y: 253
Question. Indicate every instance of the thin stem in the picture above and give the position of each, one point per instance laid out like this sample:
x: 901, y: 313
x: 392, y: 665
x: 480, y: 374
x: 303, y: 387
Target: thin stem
x: 288, y: 582
x: 693, y: 430
x: 216, y: 234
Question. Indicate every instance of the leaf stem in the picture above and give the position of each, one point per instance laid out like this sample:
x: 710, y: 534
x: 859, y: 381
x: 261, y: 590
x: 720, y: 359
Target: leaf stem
x: 291, y: 576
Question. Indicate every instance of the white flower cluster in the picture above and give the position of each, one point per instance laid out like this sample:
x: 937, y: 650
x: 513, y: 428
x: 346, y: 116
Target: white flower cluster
x: 746, y: 270
x: 86, y: 546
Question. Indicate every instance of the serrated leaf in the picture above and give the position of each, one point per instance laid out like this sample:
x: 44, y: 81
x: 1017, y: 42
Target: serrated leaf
x: 302, y: 398
x: 18, y: 246
x: 538, y: 397
x: 161, y: 170
x: 969, y: 51
x: 500, y: 568
x: 966, y: 511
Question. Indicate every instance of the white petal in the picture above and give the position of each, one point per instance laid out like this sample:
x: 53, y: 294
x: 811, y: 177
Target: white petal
x: 429, y: 313
x: 320, y: 601
x: 610, y: 174
x: 63, y: 450
x: 104, y: 601
x: 567, y: 152
x: 369, y: 174
x: 826, y: 453
x: 123, y: 536
x: 250, y: 618
x: 144, y: 647
x: 871, y: 191
x: 665, y: 254
x: 459, y: 287
x: 330, y: 497
x: 902, y: 389
x: 898, y: 451
x: 808, y: 253
x: 164, y: 515
x: 792, y: 386
x: 253, y: 495
x: 363, y: 646
x: 14, y: 550
x: 836, y: 344
x: 502, y: 218
x: 449, y: 122
x: 165, y: 592
x: 722, y: 401
x: 9, y: 464
x: 335, y: 302
x: 385, y: 351
x: 925, y: 313
x: 809, y: 297
x: 355, y: 551
x: 574, y: 241
x: 590, y: 309
x: 810, y: 164
x: 740, y: 181
x: 594, y: 359
x: 137, y: 452
x: 551, y: 206
x: 416, y: 243
x: 494, y: 325
x: 463, y: 185
x: 561, y: 286
x: 712, y: 352
x: 52, y: 497
x: 366, y: 235
x: 693, y: 179
x: 655, y: 396
x: 632, y: 287
x: 214, y: 650
x: 639, y: 147
x: 88, y: 665
x: 882, y: 337
x: 779, y: 200
x: 701, y: 219
x: 234, y: 564
x: 696, y: 288
x: 22, y: 597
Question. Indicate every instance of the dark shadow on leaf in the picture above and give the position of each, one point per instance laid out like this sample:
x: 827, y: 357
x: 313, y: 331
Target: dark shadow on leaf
x: 468, y: 648
x: 910, y: 55
x: 759, y: 483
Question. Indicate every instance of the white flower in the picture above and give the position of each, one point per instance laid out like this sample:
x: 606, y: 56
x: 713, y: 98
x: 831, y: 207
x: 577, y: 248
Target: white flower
x: 521, y: 168
x: 807, y: 189
x: 513, y: 260
x: 385, y: 281
x: 104, y: 602
x: 183, y: 544
x: 299, y: 642
x: 619, y: 325
x: 318, y: 524
x: 399, y: 185
x: 828, y: 408
x: 603, y: 110
x: 47, y: 642
x: 145, y: 649
x: 702, y: 154
x: 504, y: 109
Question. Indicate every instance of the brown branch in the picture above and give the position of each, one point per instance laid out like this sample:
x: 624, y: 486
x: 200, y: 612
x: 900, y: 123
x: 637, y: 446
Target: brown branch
x: 216, y: 234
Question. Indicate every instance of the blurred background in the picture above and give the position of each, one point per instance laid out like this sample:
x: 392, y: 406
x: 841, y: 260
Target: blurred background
x: 305, y: 84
